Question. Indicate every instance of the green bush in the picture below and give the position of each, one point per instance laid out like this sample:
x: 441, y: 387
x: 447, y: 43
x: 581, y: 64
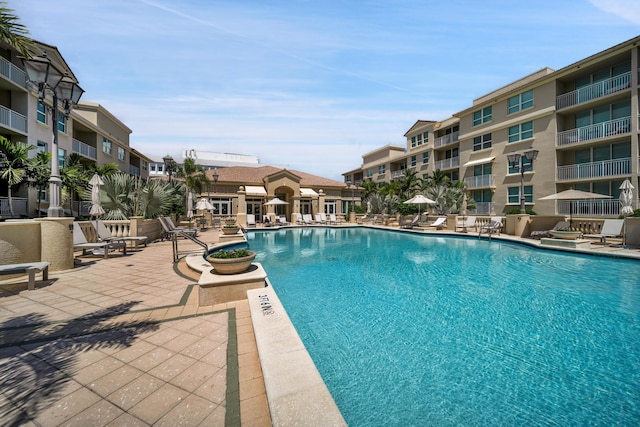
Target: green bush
x: 516, y: 211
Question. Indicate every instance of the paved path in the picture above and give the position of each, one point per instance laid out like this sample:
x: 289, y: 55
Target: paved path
x: 122, y: 341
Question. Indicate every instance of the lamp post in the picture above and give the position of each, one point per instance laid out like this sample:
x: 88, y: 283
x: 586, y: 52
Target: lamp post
x: 349, y: 186
x: 169, y: 165
x: 49, y: 79
x: 215, y: 182
x: 517, y: 160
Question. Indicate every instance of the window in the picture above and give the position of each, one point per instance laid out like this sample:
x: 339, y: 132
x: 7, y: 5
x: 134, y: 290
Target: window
x: 482, y: 142
x: 382, y: 169
x: 62, y: 154
x: 425, y: 158
x: 521, y: 132
x: 526, y: 163
x: 520, y: 102
x: 144, y: 165
x: 419, y: 137
x: 152, y: 167
x: 330, y: 207
x: 481, y: 170
x: 514, y: 195
x: 425, y: 137
x: 62, y: 123
x: 414, y: 161
x: 41, y: 115
x: 42, y: 147
x: 121, y: 154
x: 369, y: 172
x: 413, y: 141
x: 106, y: 146
x: 482, y: 116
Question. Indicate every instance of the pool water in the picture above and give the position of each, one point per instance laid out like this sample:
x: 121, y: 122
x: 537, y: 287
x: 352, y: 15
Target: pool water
x: 423, y: 330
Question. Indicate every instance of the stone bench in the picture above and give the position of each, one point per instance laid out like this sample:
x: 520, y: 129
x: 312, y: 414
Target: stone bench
x: 31, y: 268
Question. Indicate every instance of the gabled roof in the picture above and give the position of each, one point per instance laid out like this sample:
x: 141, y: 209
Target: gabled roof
x: 256, y: 176
x: 418, y: 124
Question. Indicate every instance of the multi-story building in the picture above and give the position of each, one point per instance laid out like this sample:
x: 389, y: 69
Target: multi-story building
x: 90, y: 130
x: 208, y: 160
x: 582, y: 120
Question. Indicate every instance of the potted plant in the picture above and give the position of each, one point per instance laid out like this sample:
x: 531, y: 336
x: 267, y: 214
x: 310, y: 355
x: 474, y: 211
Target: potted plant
x: 565, y: 233
x: 232, y: 261
x: 230, y: 220
x: 230, y: 229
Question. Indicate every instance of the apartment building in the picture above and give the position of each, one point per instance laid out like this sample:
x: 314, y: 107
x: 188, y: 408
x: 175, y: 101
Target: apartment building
x: 90, y: 130
x: 582, y: 121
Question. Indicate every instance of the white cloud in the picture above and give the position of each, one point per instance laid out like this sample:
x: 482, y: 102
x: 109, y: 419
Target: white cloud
x: 628, y: 10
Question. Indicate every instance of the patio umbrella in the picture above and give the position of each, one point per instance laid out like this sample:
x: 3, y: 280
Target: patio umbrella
x: 96, y: 203
x: 463, y: 208
x: 626, y: 198
x: 204, y: 205
x: 419, y: 200
x: 275, y: 201
x: 572, y: 194
x: 189, y: 205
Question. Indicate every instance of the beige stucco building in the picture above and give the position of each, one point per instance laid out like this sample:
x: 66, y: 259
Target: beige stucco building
x: 583, y: 120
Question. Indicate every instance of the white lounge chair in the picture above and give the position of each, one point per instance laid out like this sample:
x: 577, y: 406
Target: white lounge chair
x: 495, y: 225
x: 251, y: 220
x: 610, y: 228
x: 282, y: 220
x: 307, y: 219
x: 333, y: 219
x: 298, y: 218
x: 320, y: 219
x: 412, y: 223
x: 438, y: 223
x: 80, y: 242
x: 105, y: 235
x: 469, y: 223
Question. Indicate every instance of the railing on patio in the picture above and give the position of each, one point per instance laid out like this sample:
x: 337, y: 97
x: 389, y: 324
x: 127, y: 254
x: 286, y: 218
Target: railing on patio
x: 445, y: 140
x: 13, y: 119
x: 12, y: 72
x: 134, y: 170
x: 84, y: 149
x: 615, y: 167
x: 19, y: 207
x: 479, y: 181
x: 397, y: 174
x: 604, y: 208
x: 452, y: 162
x: 483, y: 208
x: 596, y: 131
x: 594, y: 91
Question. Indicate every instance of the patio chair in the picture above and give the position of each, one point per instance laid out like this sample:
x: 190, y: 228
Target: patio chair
x: 494, y: 226
x: 412, y: 223
x: 251, y: 221
x: 105, y: 235
x: 561, y: 225
x: 610, y: 228
x: 469, y: 223
x: 266, y: 221
x: 282, y: 220
x: 171, y: 231
x: 320, y: 219
x: 333, y: 219
x: 298, y: 218
x: 187, y: 230
x: 307, y: 219
x: 438, y: 223
x: 80, y: 242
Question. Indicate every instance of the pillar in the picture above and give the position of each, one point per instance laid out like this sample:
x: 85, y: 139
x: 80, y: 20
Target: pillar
x: 57, y: 242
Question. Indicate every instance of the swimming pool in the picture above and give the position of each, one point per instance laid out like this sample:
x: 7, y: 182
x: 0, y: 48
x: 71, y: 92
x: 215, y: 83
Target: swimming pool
x: 413, y: 329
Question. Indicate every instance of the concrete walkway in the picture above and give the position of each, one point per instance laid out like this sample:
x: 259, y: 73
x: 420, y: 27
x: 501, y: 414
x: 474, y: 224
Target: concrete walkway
x: 122, y: 341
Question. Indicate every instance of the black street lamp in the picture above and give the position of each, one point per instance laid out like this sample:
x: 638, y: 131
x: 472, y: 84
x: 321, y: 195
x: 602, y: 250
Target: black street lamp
x: 49, y: 79
x: 169, y: 165
x: 516, y: 160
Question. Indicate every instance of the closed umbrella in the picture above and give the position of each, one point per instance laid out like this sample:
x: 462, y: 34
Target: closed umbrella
x: 626, y: 198
x: 96, y: 204
x: 572, y: 194
x: 189, y: 205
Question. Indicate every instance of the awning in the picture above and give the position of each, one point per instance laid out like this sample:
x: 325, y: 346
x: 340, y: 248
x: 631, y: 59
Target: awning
x: 479, y: 161
x: 307, y: 192
x: 253, y: 190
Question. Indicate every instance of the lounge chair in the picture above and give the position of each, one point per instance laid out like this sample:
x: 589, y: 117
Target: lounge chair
x: 438, y: 223
x: 469, y: 223
x: 251, y: 221
x: 80, y: 242
x: 298, y: 218
x: 494, y: 226
x: 320, y: 218
x: 610, y: 228
x: 172, y: 231
x: 266, y: 221
x: 307, y: 219
x: 561, y: 225
x: 282, y: 220
x: 105, y: 235
x: 412, y: 223
x: 187, y: 230
x: 333, y: 219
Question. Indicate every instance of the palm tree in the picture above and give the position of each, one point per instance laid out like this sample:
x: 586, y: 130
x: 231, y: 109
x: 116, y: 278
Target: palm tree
x: 14, y: 33
x: 410, y: 184
x: 75, y: 178
x: 39, y: 173
x: 15, y: 165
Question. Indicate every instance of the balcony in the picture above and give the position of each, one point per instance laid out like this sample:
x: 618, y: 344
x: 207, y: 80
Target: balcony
x: 479, y: 181
x: 603, y: 207
x: 13, y: 73
x: 13, y: 120
x: 19, y: 207
x: 453, y: 162
x: 84, y: 149
x: 134, y: 170
x: 594, y: 91
x: 604, y: 168
x: 446, y: 140
x: 600, y: 130
x: 483, y: 208
x: 399, y: 175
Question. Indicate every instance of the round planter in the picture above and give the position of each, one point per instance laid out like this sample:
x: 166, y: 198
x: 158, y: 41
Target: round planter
x: 231, y: 265
x: 567, y: 235
x: 230, y: 230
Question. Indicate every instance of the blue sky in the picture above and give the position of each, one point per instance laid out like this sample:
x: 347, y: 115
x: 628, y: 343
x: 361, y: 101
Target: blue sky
x: 309, y: 85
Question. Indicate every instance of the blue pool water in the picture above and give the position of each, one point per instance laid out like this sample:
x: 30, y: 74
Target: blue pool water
x: 424, y: 330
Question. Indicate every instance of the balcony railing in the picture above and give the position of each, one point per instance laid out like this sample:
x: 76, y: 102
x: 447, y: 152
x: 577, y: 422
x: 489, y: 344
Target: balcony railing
x: 479, y: 181
x: 608, y: 207
x: 19, y: 207
x: 453, y: 162
x: 597, y: 131
x: 615, y: 167
x: 134, y: 170
x: 445, y: 140
x: 397, y: 174
x: 483, y: 208
x: 594, y: 91
x: 12, y: 119
x: 12, y: 72
x: 84, y: 149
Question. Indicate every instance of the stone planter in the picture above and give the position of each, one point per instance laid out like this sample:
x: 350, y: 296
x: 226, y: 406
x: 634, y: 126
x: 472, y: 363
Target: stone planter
x: 230, y: 230
x: 565, y: 234
x: 231, y: 265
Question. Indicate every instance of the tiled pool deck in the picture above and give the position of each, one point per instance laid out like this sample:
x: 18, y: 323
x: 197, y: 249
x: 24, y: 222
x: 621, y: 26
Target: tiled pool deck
x: 122, y: 341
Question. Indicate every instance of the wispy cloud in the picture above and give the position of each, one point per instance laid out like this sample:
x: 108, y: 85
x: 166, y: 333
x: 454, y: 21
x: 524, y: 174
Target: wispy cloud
x: 629, y: 10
